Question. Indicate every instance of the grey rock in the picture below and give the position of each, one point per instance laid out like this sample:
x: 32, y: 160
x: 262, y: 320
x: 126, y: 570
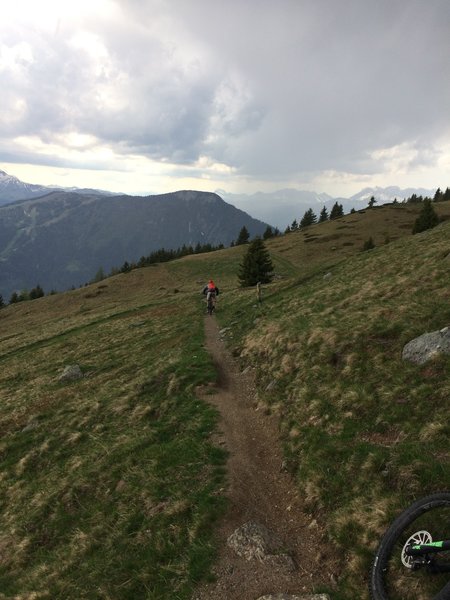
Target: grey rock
x: 254, y: 541
x: 327, y: 276
x: 427, y: 346
x: 31, y: 425
x: 71, y: 373
x: 272, y: 385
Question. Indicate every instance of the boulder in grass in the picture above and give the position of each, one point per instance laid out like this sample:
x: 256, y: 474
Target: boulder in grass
x: 71, y: 373
x: 427, y: 346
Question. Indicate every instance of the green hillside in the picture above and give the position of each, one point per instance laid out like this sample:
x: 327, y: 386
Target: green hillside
x: 109, y: 485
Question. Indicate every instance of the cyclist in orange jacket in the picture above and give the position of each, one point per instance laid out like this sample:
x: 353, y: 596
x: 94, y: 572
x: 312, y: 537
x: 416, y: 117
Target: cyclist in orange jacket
x: 211, y: 291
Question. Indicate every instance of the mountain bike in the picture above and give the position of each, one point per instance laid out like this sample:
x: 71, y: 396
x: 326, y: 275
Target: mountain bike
x: 413, y: 559
x: 210, y: 302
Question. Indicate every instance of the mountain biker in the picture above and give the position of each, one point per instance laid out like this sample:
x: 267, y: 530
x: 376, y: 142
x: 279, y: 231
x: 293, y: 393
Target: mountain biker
x: 211, y: 291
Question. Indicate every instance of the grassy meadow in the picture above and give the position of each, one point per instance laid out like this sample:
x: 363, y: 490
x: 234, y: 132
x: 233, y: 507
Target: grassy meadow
x: 110, y: 485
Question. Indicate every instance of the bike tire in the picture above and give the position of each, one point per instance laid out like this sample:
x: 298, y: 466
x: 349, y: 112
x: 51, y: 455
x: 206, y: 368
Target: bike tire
x: 389, y: 578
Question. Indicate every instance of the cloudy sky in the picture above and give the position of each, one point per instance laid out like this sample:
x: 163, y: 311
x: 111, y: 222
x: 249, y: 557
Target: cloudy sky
x: 150, y: 96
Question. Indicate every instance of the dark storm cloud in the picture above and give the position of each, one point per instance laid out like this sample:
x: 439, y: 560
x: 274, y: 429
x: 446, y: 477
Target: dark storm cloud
x: 269, y: 88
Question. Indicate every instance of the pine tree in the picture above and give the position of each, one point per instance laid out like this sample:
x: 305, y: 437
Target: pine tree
x: 438, y: 196
x: 14, y: 298
x: 256, y: 265
x: 36, y: 292
x: 446, y: 195
x: 372, y: 201
x: 294, y: 225
x: 2, y: 302
x: 243, y: 236
x: 337, y: 211
x: 268, y: 233
x: 323, y: 215
x: 427, y: 218
x: 309, y: 218
x: 100, y: 275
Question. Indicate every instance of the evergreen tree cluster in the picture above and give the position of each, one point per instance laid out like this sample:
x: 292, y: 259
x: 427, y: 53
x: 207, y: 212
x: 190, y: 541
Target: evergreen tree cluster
x: 428, y: 218
x: 439, y: 196
x: 24, y: 295
x: 163, y: 255
x: 309, y: 218
x: 244, y: 235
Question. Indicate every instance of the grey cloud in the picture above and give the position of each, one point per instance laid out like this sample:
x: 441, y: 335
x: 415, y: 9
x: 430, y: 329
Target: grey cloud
x: 296, y: 86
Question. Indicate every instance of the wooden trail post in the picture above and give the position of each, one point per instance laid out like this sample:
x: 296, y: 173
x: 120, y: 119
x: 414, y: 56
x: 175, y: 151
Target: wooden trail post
x: 259, y: 292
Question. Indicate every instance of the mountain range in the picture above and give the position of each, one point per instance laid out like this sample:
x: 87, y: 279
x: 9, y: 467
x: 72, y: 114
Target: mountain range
x: 59, y: 237
x: 280, y: 208
x: 63, y: 238
x: 12, y: 189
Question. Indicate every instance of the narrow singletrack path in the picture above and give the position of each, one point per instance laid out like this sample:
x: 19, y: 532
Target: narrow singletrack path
x: 258, y: 490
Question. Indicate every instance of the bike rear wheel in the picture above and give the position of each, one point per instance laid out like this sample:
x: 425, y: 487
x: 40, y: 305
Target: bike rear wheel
x: 393, y: 576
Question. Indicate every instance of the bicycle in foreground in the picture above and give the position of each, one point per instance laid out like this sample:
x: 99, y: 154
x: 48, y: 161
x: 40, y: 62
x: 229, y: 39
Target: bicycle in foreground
x: 413, y: 558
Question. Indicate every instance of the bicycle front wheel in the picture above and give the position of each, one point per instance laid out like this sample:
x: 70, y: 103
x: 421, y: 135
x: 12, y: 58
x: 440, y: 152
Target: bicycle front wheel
x: 394, y: 575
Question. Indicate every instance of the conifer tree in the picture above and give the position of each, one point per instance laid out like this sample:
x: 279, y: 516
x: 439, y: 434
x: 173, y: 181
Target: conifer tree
x: 2, y: 303
x: 427, y: 218
x: 323, y: 215
x: 256, y: 265
x: 372, y: 202
x: 36, y: 292
x: 243, y: 236
x: 268, y: 233
x: 438, y: 196
x: 446, y: 195
x: 14, y: 298
x: 309, y: 218
x: 100, y: 275
x: 294, y: 225
x: 336, y: 211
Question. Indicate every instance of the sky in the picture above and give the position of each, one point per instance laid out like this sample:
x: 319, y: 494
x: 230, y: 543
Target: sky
x: 153, y: 96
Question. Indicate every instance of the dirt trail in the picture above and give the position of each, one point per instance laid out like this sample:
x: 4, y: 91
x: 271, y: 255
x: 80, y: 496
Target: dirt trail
x: 258, y: 490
